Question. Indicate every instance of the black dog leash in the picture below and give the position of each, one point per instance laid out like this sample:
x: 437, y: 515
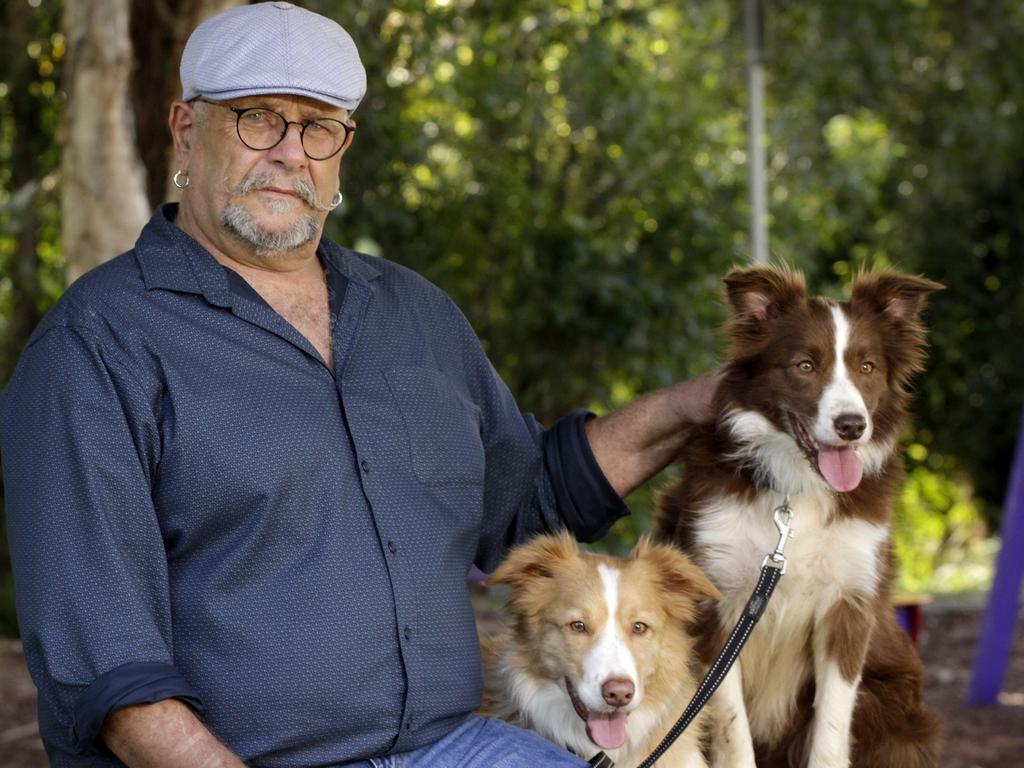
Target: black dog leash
x: 772, y: 569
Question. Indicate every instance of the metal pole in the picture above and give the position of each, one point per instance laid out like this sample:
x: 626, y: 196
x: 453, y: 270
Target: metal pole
x: 754, y: 23
x: 992, y: 657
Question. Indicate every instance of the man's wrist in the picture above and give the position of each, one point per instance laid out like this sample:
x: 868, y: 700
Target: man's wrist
x: 165, y: 734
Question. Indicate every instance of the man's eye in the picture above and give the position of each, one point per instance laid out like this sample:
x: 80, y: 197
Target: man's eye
x: 257, y: 119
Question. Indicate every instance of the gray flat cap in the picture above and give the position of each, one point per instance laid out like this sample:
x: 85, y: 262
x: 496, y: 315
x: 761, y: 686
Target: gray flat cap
x: 270, y: 48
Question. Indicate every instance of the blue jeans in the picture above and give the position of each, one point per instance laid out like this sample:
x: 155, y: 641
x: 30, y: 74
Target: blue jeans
x: 483, y: 742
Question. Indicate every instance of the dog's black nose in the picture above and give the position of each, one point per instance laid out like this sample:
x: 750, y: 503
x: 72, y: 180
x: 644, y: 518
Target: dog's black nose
x: 850, y: 426
x: 618, y: 691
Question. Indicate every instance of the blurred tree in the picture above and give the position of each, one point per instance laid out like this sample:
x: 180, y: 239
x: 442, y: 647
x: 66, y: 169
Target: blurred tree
x: 158, y: 30
x: 31, y: 50
x: 551, y: 166
x: 121, y: 77
x: 103, y: 181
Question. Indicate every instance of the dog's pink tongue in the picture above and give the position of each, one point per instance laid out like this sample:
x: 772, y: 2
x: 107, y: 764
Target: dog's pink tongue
x: 607, y: 729
x: 841, y: 467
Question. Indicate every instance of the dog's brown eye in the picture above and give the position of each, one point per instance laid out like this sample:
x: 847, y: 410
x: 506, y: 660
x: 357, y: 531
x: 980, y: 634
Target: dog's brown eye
x: 805, y: 365
x: 867, y: 367
x: 639, y: 628
x: 578, y: 626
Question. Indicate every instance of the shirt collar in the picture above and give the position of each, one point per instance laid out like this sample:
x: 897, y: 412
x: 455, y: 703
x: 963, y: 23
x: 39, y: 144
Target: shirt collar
x: 170, y: 259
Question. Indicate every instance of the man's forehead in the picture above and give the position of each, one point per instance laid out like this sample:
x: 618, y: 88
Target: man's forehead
x: 287, y: 102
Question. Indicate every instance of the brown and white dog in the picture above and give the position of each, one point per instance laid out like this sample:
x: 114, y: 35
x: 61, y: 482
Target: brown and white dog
x: 810, y: 408
x: 600, y: 654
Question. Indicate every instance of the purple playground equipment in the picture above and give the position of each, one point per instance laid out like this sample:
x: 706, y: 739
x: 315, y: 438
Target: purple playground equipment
x: 993, y: 653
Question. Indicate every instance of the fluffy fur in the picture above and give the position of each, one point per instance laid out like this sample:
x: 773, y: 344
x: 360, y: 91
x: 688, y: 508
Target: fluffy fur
x: 614, y: 634
x: 810, y: 409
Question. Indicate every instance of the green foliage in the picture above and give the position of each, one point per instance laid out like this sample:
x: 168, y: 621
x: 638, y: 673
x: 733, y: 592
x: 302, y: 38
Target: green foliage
x: 534, y: 160
x: 938, y: 533
x: 31, y: 267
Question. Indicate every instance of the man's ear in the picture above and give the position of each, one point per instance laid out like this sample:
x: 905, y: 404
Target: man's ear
x: 351, y: 137
x: 183, y: 123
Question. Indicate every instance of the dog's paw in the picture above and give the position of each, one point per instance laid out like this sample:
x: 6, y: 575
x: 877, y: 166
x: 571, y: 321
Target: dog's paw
x: 733, y: 756
x: 820, y: 760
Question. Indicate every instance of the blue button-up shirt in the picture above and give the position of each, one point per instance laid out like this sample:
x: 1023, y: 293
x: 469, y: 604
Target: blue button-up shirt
x: 198, y: 507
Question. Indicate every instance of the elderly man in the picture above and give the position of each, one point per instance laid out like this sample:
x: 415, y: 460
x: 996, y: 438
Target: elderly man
x: 247, y: 470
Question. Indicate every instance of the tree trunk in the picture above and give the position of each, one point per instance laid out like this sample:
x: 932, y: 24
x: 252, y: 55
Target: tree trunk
x: 159, y: 29
x: 104, y: 202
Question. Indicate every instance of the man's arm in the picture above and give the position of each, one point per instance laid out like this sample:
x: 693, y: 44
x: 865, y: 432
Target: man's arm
x: 80, y: 444
x: 635, y: 442
x: 166, y: 734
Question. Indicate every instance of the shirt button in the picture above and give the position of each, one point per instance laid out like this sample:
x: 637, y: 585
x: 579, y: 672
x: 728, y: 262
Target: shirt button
x: 408, y: 725
x: 365, y: 465
x: 392, y: 547
x: 408, y: 633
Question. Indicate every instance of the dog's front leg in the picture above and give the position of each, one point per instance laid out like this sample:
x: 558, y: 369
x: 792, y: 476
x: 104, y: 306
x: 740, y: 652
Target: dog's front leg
x: 840, y: 644
x: 731, y: 743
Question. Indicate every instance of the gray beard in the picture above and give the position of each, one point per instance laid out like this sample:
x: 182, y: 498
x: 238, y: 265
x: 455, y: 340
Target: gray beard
x: 244, y: 226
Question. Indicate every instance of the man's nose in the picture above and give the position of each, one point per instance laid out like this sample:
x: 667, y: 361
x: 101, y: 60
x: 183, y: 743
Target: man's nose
x: 289, y: 150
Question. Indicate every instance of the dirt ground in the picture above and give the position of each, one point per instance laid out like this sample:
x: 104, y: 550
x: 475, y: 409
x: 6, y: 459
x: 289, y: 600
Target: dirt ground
x: 975, y: 738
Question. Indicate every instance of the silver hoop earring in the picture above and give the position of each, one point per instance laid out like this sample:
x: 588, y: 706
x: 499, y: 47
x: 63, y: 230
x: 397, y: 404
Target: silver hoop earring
x: 179, y: 182
x: 336, y: 200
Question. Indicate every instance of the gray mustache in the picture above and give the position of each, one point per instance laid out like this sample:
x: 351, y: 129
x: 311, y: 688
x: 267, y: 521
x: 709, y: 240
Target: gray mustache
x: 301, y: 187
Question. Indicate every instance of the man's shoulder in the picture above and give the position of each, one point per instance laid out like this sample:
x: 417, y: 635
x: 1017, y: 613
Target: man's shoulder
x: 90, y: 300
x: 393, y: 277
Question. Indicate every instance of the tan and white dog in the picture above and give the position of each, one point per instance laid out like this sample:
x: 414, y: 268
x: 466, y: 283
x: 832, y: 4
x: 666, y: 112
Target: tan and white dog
x: 600, y: 654
x: 810, y: 408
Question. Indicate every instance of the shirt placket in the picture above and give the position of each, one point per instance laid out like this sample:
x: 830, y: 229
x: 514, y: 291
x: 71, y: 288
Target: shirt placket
x: 347, y: 325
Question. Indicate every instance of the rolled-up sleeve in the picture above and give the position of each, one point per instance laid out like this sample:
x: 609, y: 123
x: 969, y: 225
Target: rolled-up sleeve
x: 586, y: 500
x: 80, y: 445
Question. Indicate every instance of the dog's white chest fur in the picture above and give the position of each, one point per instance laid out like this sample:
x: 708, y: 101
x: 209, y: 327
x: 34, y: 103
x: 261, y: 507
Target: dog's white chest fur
x: 828, y: 560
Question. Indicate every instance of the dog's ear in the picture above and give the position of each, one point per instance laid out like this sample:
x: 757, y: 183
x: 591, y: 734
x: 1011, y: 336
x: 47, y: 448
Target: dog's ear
x: 537, y: 559
x: 681, y: 581
x: 899, y: 297
x: 758, y: 294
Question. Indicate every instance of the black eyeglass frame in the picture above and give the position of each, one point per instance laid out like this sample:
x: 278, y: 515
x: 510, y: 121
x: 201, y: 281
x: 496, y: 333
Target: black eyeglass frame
x: 239, y: 111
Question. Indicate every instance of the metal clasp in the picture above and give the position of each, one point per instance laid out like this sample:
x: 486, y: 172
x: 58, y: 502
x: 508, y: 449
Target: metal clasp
x: 782, y: 516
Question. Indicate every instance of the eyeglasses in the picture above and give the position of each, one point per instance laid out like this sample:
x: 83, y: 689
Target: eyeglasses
x: 262, y: 129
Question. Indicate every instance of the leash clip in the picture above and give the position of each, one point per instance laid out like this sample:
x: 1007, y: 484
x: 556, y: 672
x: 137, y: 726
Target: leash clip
x: 783, y: 516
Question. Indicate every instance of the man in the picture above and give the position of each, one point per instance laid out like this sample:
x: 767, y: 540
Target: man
x: 247, y: 470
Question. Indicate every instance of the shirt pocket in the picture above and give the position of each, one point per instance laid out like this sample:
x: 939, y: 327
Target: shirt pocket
x: 442, y: 424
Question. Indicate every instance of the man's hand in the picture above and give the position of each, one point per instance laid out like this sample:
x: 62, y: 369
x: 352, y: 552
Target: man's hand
x: 164, y: 735
x: 637, y: 441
